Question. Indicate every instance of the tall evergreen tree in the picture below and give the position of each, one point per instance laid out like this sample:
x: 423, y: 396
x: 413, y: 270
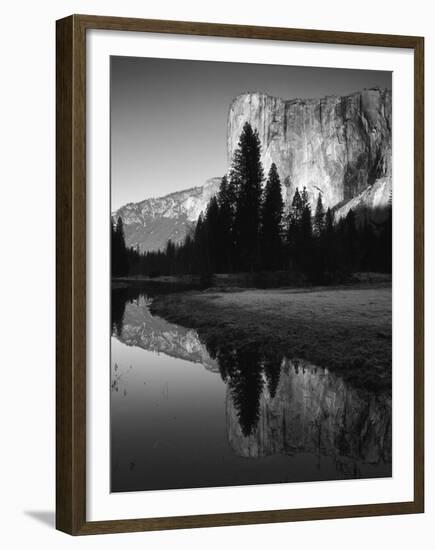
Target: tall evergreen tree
x: 386, y: 241
x: 308, y: 254
x: 294, y: 217
x: 296, y: 207
x: 330, y: 245
x: 305, y: 198
x: 272, y: 370
x: 271, y: 222
x: 306, y: 226
x: 297, y: 227
x: 246, y: 177
x: 201, y: 263
x: 120, y: 264
x: 211, y: 223
x: 319, y: 217
x: 329, y: 222
x: 226, y: 201
x: 246, y: 385
x: 350, y: 240
x: 170, y: 253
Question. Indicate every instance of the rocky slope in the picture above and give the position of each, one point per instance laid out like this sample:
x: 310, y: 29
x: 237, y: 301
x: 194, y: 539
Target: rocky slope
x: 151, y: 223
x: 313, y: 411
x: 372, y: 202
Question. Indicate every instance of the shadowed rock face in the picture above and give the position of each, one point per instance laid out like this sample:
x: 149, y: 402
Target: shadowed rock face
x: 371, y: 202
x: 335, y: 145
x: 313, y: 411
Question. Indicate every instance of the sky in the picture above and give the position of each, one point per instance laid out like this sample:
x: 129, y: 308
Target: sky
x: 169, y: 117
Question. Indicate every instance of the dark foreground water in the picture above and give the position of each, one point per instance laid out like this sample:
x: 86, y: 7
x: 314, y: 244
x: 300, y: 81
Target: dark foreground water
x: 185, y: 413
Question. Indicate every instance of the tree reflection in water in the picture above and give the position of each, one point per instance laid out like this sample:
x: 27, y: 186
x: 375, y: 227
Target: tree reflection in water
x: 246, y: 372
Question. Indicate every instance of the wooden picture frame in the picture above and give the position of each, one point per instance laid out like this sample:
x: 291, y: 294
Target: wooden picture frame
x: 71, y: 273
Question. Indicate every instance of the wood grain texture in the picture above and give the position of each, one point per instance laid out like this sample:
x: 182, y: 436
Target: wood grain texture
x: 70, y: 277
x: 246, y: 31
x: 71, y: 273
x: 419, y: 274
x: 64, y: 385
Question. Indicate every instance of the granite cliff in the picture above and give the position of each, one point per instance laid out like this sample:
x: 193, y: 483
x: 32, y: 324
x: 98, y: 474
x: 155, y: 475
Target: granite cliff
x: 336, y: 145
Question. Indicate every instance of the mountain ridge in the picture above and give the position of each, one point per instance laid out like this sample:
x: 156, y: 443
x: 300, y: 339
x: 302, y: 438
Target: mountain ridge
x: 150, y: 223
x: 339, y: 146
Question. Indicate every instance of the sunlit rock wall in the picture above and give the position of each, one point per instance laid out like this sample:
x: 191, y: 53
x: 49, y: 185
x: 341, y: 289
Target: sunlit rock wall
x: 335, y: 145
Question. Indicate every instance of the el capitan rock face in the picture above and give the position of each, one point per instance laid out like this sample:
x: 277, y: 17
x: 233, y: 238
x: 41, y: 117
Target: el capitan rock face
x: 334, y: 145
x: 314, y: 411
x: 338, y: 146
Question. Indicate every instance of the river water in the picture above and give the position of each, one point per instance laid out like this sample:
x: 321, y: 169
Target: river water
x: 186, y: 415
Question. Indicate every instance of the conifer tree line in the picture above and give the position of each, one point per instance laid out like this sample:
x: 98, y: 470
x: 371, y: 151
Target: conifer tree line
x: 121, y: 256
x: 246, y: 228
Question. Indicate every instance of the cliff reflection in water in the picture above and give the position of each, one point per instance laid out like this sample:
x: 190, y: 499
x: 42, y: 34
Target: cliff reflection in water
x: 278, y: 406
x: 274, y: 405
x: 313, y: 411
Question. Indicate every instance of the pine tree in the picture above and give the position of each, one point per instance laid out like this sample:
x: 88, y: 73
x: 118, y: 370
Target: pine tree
x: 307, y: 256
x: 330, y: 246
x: 246, y: 386
x: 170, y: 257
x: 299, y: 231
x: 319, y: 217
x: 295, y: 212
x: 329, y: 222
x: 272, y: 371
x: 120, y: 265
x: 226, y: 201
x: 294, y: 221
x: 297, y: 206
x: 351, y: 248
x: 368, y: 245
x: 306, y: 226
x: 386, y: 240
x: 211, y: 223
x: 200, y: 246
x: 271, y: 222
x: 246, y: 177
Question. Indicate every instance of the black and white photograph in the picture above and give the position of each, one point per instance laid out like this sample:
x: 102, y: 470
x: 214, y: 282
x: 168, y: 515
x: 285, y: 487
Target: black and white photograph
x: 251, y: 274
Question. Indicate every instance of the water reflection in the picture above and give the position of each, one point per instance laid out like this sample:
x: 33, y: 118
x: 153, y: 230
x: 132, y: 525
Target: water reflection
x: 313, y: 411
x: 307, y: 421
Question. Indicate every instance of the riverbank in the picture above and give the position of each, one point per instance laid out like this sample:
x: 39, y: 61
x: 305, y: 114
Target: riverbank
x: 347, y: 329
x: 262, y: 279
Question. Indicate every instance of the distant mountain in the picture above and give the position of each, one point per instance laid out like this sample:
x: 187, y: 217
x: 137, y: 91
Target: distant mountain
x: 151, y: 223
x: 337, y: 146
